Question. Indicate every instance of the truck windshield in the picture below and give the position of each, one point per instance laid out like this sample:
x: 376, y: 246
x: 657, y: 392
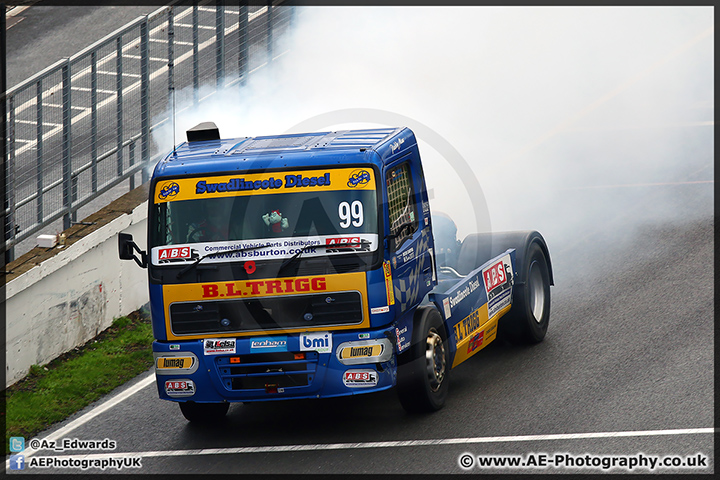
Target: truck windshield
x: 192, y: 222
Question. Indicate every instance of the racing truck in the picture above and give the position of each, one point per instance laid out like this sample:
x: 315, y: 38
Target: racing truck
x: 309, y: 265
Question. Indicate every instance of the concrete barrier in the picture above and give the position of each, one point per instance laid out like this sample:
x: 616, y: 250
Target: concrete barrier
x: 70, y: 294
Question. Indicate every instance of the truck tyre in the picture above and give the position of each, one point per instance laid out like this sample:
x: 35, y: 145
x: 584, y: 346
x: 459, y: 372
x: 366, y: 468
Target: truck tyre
x: 527, y: 321
x: 204, y: 412
x: 423, y: 369
x: 475, y: 250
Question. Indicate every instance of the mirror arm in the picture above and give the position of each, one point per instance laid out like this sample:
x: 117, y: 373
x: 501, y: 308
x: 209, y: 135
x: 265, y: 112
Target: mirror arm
x: 127, y: 249
x: 142, y: 261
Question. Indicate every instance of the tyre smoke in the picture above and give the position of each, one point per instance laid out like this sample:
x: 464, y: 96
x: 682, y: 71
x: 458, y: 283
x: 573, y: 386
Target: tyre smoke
x: 574, y: 119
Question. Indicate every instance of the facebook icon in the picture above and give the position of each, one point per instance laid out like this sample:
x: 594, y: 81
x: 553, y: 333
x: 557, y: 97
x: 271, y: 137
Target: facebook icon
x: 17, y: 462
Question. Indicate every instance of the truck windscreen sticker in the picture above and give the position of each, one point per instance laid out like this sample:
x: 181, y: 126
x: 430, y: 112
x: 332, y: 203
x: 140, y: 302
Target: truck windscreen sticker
x: 268, y: 249
x: 266, y: 183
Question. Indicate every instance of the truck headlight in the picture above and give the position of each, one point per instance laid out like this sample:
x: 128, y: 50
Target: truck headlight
x: 364, y: 351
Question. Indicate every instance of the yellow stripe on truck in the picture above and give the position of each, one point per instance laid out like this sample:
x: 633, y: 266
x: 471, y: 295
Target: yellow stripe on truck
x: 288, y: 181
x: 266, y: 287
x: 475, y: 332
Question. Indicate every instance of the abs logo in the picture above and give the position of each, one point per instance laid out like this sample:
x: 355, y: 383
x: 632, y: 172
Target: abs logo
x: 358, y: 178
x: 169, y: 190
x: 320, y: 342
x: 177, y: 254
x: 346, y: 244
x: 360, y: 378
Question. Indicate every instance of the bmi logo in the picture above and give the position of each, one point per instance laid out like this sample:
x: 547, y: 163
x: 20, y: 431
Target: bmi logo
x: 320, y: 342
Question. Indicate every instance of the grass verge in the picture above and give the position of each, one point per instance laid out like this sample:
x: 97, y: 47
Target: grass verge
x: 74, y: 380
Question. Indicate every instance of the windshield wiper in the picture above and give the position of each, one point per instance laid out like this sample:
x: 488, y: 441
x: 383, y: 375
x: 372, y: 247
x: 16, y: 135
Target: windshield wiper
x: 296, y: 255
x: 224, y: 252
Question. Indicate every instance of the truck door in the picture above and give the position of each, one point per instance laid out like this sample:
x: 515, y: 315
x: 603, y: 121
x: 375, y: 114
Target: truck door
x: 410, y: 237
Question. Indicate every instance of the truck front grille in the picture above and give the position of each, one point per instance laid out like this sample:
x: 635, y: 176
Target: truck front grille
x: 261, y: 371
x: 266, y: 313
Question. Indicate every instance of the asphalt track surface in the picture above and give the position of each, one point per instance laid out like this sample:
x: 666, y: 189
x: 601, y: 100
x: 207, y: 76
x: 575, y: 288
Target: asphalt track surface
x: 627, y: 364
x: 39, y: 37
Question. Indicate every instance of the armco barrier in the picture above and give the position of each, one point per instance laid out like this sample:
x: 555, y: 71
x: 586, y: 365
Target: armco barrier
x: 81, y: 128
x: 70, y: 295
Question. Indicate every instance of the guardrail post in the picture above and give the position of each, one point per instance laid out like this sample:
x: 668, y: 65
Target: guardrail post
x: 243, y: 44
x: 93, y: 121
x: 269, y: 32
x: 220, y: 44
x: 10, y: 182
x: 144, y: 100
x: 119, y: 104
x: 171, y: 69
x: 66, y: 145
x: 73, y: 178
x: 171, y: 51
x: 6, y: 186
x: 293, y: 16
x: 196, y: 62
x: 132, y: 162
x: 39, y: 150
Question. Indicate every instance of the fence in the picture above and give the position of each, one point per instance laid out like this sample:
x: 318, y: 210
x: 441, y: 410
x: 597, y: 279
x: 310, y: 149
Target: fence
x: 79, y: 131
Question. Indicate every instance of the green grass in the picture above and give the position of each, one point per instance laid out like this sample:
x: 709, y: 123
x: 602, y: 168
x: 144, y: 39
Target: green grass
x: 51, y: 393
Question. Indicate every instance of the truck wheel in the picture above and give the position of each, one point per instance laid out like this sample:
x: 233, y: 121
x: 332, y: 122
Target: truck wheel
x: 423, y: 369
x: 204, y: 412
x: 527, y: 321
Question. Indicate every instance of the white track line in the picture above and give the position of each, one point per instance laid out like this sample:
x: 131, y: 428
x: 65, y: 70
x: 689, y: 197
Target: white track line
x: 17, y: 10
x: 394, y: 444
x: 64, y: 431
x: 150, y: 379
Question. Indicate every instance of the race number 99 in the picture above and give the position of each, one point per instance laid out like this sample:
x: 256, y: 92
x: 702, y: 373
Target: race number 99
x: 351, y: 214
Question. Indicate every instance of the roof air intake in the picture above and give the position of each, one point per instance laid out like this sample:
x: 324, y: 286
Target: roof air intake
x: 203, y: 132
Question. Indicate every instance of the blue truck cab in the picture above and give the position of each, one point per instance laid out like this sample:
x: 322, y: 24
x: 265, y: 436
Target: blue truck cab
x: 305, y: 266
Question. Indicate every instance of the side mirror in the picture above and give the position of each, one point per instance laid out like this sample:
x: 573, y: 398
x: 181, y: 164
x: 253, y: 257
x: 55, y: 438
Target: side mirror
x: 127, y: 249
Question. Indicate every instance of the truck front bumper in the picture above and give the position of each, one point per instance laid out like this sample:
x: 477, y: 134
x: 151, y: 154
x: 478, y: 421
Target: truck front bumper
x: 294, y: 366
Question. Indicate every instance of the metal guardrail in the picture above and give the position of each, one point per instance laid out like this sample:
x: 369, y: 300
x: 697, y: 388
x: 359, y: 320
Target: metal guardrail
x: 81, y: 127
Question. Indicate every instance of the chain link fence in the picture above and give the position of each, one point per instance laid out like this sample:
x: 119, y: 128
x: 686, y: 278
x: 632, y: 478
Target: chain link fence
x: 79, y: 132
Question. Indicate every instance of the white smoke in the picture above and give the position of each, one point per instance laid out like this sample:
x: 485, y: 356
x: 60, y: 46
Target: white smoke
x: 548, y: 105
